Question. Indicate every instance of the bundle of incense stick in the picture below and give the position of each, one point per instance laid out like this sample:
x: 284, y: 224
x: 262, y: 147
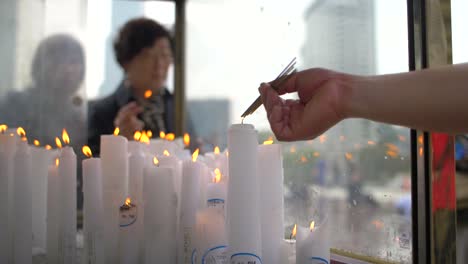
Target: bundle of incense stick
x: 276, y: 84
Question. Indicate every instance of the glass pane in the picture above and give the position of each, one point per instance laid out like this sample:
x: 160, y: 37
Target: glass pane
x: 355, y: 176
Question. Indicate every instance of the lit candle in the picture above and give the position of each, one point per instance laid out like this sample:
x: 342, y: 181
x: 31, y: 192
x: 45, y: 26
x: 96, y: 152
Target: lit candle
x: 41, y: 159
x: 160, y: 216
x: 216, y: 192
x: 191, y: 173
x: 270, y: 172
x: 22, y: 242
x: 243, y: 212
x: 67, y: 183
x: 93, y: 209
x: 312, y: 245
x: 114, y: 161
x: 211, y: 237
x: 128, y: 236
x: 53, y: 213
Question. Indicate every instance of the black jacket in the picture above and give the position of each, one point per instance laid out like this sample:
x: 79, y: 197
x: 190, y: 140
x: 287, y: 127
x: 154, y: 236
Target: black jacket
x: 102, y: 112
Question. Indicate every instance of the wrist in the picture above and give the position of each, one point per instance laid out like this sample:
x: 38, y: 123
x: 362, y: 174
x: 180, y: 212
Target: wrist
x: 353, y: 96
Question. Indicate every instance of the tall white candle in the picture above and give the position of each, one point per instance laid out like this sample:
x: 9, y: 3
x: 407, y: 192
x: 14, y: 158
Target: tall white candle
x: 216, y: 192
x: 312, y: 246
x: 114, y: 160
x: 270, y: 172
x: 41, y: 159
x: 160, y: 216
x: 53, y: 214
x: 211, y: 237
x: 93, y: 212
x: 191, y: 173
x: 243, y: 212
x: 67, y: 182
x: 22, y: 242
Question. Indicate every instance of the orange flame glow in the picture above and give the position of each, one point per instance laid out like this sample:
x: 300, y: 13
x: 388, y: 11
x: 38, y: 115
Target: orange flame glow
x: 420, y: 139
x: 166, y: 153
x: 3, y: 128
x: 348, y: 156
x: 137, y: 135
x: 162, y: 134
x: 217, y: 177
x: 195, y: 155
x: 316, y: 154
x: 87, y: 151
x: 186, y: 139
x: 312, y: 225
x: 292, y: 149
x: 144, y: 138
x: 48, y: 147
x: 57, y: 162
x: 116, y: 131
x: 155, y: 161
x: 149, y: 133
x: 170, y: 136
x: 216, y: 150
x: 421, y: 151
x: 294, y: 231
x: 65, y: 137
x: 269, y: 141
x: 303, y: 159
x: 128, y: 201
x: 58, y: 142
x: 20, y: 131
x: 36, y: 143
x: 370, y: 142
x: 148, y: 94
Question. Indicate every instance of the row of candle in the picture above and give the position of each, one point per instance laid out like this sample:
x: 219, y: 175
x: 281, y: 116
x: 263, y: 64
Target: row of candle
x: 143, y: 204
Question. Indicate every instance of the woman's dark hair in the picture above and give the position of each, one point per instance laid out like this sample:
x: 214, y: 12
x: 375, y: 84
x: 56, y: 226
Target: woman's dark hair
x: 135, y: 35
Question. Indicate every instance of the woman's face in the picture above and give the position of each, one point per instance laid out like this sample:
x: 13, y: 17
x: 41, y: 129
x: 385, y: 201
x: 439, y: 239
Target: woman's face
x: 148, y: 69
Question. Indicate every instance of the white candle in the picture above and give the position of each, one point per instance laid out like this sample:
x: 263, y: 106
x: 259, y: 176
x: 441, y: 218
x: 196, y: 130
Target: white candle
x: 243, y: 214
x: 114, y: 161
x: 312, y: 246
x: 191, y: 174
x: 93, y: 212
x: 157, y: 146
x: 53, y: 214
x: 67, y: 182
x: 160, y: 216
x: 22, y: 242
x: 205, y: 178
x: 128, y: 234
x: 270, y: 172
x: 41, y: 159
x: 211, y: 237
x: 216, y: 192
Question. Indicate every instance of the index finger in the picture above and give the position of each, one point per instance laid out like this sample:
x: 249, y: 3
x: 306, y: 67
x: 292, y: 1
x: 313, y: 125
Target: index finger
x: 128, y: 110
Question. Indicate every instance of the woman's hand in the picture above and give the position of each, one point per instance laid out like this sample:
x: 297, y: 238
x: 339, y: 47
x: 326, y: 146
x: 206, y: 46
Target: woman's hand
x: 320, y: 106
x: 127, y: 120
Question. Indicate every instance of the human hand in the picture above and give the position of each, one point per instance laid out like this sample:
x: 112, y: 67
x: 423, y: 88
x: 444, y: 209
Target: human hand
x: 321, y: 104
x: 127, y: 120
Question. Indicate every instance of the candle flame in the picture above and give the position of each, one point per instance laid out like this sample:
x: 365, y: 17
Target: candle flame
x: 128, y: 201
x: 48, y: 147
x: 294, y: 231
x: 217, y: 177
x: 137, y: 135
x: 186, y: 139
x: 312, y: 225
x: 65, y: 137
x: 303, y: 159
x: 420, y: 139
x: 421, y: 151
x: 269, y: 141
x: 195, y: 155
x: 3, y: 128
x: 57, y: 162
x: 166, y: 153
x: 162, y: 134
x: 170, y: 136
x: 148, y: 93
x: 316, y: 154
x: 149, y: 133
x: 116, y: 131
x: 348, y: 156
x: 155, y: 161
x: 292, y: 149
x: 144, y: 138
x: 216, y: 150
x: 20, y: 131
x: 370, y: 142
x: 87, y: 151
x: 36, y: 143
x: 58, y: 142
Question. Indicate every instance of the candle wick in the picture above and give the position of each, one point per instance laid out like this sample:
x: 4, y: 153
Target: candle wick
x: 242, y: 120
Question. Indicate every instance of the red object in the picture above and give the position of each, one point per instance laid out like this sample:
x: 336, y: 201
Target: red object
x: 443, y: 172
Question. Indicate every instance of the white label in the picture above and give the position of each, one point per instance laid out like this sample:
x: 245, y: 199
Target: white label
x: 245, y: 258
x: 128, y: 215
x: 215, y: 255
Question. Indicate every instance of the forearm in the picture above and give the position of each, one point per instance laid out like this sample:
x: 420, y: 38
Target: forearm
x: 434, y: 100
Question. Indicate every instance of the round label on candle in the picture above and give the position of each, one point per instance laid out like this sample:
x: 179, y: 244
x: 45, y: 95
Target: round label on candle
x: 215, y: 255
x: 128, y: 214
x: 216, y: 203
x: 245, y: 258
x: 317, y: 260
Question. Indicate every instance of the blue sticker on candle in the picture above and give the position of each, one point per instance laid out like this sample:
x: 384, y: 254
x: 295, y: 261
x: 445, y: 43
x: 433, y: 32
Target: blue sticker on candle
x: 194, y: 256
x: 215, y: 255
x: 215, y: 202
x: 245, y: 258
x: 317, y: 260
x: 127, y: 214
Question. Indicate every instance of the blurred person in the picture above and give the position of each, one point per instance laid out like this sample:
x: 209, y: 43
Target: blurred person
x: 143, y: 50
x: 51, y: 103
